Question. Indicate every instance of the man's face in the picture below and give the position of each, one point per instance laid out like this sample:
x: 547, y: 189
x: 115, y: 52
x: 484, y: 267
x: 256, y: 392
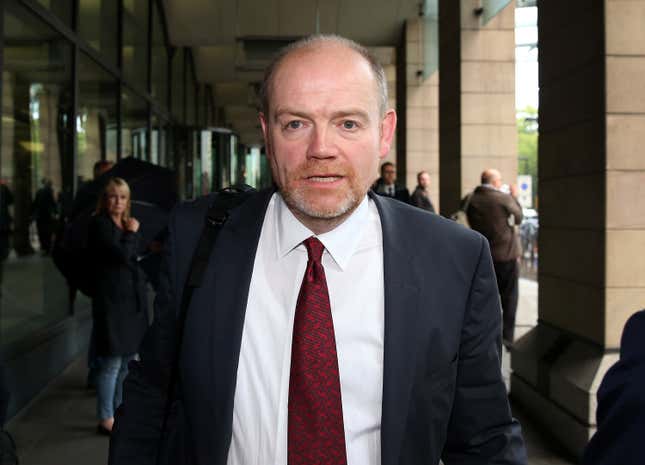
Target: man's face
x: 389, y: 174
x: 424, y: 180
x: 324, y: 133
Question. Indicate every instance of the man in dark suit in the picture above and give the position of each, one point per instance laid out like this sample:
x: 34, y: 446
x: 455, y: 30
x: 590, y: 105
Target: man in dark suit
x: 386, y: 185
x: 621, y: 404
x: 494, y: 213
x: 421, y: 196
x: 333, y: 326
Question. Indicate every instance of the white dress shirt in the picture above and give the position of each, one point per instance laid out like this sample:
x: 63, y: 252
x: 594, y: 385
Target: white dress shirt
x: 353, y: 262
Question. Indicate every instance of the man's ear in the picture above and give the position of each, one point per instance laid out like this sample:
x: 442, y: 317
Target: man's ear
x: 265, y: 134
x: 388, y: 126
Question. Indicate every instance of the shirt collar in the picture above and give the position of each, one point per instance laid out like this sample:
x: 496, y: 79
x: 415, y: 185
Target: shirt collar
x: 341, y: 242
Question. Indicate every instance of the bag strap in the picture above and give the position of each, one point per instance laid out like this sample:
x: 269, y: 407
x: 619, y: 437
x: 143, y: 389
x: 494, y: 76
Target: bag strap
x: 216, y: 217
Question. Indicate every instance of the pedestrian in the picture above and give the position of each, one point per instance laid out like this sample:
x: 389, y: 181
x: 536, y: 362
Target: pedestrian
x: 319, y: 334
x: 6, y: 221
x: 119, y: 303
x: 44, y: 213
x: 386, y: 185
x: 621, y: 403
x: 494, y: 213
x: 421, y: 195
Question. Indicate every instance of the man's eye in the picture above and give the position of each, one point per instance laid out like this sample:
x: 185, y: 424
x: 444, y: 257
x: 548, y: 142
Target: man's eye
x: 349, y: 124
x: 294, y: 124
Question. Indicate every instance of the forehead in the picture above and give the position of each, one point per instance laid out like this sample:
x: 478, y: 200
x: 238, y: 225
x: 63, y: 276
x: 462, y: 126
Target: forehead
x: 114, y: 189
x: 325, y: 74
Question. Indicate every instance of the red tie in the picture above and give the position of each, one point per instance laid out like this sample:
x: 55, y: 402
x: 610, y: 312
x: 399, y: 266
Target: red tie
x: 316, y: 432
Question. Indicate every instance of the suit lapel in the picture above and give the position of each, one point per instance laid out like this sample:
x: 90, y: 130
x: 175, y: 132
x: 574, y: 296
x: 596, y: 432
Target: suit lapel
x: 232, y: 262
x: 401, y: 306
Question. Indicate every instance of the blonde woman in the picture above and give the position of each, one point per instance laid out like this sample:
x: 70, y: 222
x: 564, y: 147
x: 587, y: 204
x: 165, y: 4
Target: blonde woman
x: 119, y: 303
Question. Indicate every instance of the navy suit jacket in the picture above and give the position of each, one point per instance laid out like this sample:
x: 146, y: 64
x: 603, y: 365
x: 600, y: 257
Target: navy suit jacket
x: 443, y: 393
x: 620, y: 438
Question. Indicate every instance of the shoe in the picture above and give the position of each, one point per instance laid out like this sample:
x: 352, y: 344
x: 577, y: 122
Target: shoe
x: 102, y: 430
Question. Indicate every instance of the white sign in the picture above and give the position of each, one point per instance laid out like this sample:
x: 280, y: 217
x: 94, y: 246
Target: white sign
x: 525, y: 190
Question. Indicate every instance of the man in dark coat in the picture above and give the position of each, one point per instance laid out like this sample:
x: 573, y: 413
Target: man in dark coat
x: 494, y: 214
x: 421, y: 197
x: 620, y: 415
x: 386, y: 185
x: 44, y: 213
x: 322, y: 270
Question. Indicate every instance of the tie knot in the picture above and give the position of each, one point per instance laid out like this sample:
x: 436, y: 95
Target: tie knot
x: 315, y: 249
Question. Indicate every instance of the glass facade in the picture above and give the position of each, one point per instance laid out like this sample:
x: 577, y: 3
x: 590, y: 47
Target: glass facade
x: 97, y: 25
x: 73, y: 92
x: 35, y: 170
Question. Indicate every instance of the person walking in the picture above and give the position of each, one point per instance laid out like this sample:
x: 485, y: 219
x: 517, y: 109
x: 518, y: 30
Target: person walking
x: 421, y: 195
x: 44, y: 213
x: 119, y: 307
x: 494, y: 214
x: 319, y: 334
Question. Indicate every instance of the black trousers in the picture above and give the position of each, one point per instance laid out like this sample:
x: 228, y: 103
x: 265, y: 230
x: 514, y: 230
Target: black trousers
x: 508, y: 274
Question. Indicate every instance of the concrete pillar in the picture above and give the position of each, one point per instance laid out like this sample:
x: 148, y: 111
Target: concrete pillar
x: 476, y: 98
x: 421, y: 112
x: 592, y: 209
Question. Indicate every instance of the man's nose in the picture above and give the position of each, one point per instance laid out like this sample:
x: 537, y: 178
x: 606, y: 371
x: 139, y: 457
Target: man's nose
x: 320, y: 144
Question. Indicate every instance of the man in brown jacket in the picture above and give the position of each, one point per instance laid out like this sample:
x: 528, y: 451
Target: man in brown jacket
x: 494, y: 214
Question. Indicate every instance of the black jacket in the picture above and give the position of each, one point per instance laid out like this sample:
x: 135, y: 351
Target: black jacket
x: 443, y: 393
x: 119, y: 306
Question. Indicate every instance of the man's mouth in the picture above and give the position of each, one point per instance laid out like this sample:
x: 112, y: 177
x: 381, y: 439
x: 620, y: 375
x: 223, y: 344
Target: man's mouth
x: 329, y: 178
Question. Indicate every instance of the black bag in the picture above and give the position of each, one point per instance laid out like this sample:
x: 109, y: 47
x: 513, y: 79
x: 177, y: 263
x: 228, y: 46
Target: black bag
x: 172, y: 450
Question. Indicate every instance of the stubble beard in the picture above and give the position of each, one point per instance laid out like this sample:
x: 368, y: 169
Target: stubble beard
x: 298, y: 199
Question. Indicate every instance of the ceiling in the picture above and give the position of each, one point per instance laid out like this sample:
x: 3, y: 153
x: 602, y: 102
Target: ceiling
x: 233, y: 39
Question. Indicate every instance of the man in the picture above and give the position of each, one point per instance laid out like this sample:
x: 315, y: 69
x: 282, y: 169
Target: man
x: 621, y: 403
x: 421, y: 195
x: 495, y: 213
x: 44, y: 213
x: 386, y: 185
x: 408, y: 369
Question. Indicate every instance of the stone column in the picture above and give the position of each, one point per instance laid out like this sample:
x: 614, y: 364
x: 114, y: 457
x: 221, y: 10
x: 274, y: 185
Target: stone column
x: 476, y: 98
x: 421, y: 112
x: 592, y: 209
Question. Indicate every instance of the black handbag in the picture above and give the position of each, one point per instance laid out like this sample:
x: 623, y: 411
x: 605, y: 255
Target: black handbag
x: 172, y: 450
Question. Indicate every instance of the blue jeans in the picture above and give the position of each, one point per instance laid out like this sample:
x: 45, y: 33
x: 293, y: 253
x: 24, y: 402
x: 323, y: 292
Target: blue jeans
x: 109, y: 383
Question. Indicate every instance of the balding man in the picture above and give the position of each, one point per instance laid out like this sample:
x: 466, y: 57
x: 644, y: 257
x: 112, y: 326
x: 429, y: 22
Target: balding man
x: 495, y: 213
x: 320, y: 335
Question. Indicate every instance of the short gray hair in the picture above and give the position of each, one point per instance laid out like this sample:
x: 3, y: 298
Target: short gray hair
x: 314, y: 41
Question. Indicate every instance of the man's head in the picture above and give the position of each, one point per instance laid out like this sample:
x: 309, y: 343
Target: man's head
x: 492, y: 177
x: 388, y: 173
x: 101, y: 167
x: 325, y: 127
x: 423, y: 178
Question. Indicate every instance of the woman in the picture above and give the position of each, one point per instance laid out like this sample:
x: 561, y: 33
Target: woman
x: 119, y: 301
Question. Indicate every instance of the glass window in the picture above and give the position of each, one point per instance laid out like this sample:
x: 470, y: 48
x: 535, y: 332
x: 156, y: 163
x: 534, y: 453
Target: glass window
x: 96, y: 121
x: 159, y: 71
x: 178, y: 84
x: 61, y: 8
x: 159, y: 152
x: 134, y: 122
x: 191, y: 97
x: 36, y: 177
x: 97, y: 24
x: 135, y: 42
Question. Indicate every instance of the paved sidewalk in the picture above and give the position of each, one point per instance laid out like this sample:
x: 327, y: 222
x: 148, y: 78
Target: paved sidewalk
x: 58, y: 427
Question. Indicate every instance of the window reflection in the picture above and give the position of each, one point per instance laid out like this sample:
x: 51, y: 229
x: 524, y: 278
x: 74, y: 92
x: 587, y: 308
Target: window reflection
x: 36, y: 166
x: 134, y: 126
x: 135, y: 42
x: 97, y: 24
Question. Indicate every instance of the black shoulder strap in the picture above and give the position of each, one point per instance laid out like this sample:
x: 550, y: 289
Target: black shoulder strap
x: 217, y: 215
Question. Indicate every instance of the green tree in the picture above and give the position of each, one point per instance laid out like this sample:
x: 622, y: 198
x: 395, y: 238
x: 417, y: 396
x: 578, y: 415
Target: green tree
x: 527, y: 145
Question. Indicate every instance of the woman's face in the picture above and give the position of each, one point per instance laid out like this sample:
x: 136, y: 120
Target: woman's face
x: 117, y: 201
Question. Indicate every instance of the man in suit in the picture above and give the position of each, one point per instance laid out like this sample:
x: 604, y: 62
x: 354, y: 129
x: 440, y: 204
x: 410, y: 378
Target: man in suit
x: 421, y: 195
x: 386, y: 185
x: 320, y: 334
x: 621, y: 404
x: 494, y: 213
